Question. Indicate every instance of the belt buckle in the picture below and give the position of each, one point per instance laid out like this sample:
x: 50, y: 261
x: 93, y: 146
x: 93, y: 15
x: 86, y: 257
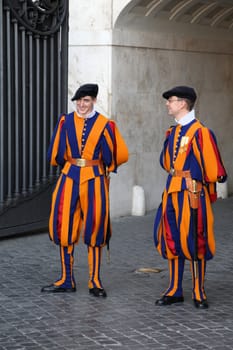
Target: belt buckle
x: 172, y: 171
x: 81, y: 162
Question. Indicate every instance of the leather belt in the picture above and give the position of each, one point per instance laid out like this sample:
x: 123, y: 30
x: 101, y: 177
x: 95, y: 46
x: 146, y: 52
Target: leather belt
x: 180, y: 173
x: 84, y: 162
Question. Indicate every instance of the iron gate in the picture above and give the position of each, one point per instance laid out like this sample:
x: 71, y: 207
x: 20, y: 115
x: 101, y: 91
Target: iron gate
x: 33, y: 92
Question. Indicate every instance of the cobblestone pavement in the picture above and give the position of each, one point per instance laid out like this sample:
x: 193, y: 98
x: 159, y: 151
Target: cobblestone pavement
x: 128, y: 317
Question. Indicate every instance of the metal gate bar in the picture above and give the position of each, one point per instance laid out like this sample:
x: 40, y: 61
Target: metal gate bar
x: 9, y: 107
x: 1, y: 108
x: 33, y: 92
x: 24, y: 120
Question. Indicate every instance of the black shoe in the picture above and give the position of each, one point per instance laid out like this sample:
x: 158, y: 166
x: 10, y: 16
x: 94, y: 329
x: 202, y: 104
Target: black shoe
x: 201, y: 304
x: 168, y: 300
x: 98, y: 292
x: 52, y: 288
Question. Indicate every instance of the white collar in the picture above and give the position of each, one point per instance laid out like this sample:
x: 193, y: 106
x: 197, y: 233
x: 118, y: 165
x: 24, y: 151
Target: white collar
x: 187, y: 118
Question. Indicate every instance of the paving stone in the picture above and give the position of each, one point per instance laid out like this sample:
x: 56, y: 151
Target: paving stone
x: 128, y: 318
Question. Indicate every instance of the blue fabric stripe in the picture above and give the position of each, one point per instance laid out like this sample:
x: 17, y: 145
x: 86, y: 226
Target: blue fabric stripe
x: 100, y: 236
x: 171, y: 217
x: 73, y: 206
x: 71, y: 134
x: 208, y: 254
x: 90, y: 212
x: 176, y: 272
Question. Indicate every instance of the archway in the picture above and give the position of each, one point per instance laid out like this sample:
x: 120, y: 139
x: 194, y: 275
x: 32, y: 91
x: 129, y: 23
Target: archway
x: 162, y: 43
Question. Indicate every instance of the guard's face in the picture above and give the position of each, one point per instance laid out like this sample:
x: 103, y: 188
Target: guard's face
x: 174, y: 105
x: 85, y: 105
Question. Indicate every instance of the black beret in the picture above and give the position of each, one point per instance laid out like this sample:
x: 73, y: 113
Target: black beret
x: 86, y: 90
x: 182, y: 92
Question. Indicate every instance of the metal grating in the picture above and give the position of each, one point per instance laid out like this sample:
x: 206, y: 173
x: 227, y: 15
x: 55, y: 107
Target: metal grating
x: 33, y: 91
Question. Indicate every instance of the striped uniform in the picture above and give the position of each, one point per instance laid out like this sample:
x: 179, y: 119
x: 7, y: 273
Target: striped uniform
x: 80, y: 201
x: 193, y: 148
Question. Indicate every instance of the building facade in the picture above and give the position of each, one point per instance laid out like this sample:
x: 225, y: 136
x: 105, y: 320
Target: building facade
x: 137, y: 49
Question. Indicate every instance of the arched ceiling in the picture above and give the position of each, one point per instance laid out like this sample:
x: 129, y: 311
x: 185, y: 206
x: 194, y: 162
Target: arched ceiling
x: 212, y: 15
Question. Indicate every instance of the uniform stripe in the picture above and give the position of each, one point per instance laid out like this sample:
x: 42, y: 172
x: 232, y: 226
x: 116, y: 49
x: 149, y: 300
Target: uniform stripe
x: 59, y: 214
x: 77, y: 136
x: 103, y: 213
x: 176, y: 270
x: 97, y: 211
x: 173, y: 227
x: 77, y: 223
x: 94, y: 136
x: 66, y: 211
x: 89, y: 216
x: 73, y: 233
x: 170, y: 229
x: 66, y: 256
x: 198, y: 282
x: 94, y: 261
x: 56, y: 142
x: 54, y: 215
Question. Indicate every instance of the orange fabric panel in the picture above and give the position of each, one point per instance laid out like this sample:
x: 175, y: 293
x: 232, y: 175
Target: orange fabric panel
x: 120, y: 148
x: 94, y: 137
x: 209, y: 155
x: 66, y: 211
x: 94, y: 261
x: 54, y: 195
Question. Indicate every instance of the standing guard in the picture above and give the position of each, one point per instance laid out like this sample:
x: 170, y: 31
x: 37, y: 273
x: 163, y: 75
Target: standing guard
x: 183, y: 226
x: 87, y: 146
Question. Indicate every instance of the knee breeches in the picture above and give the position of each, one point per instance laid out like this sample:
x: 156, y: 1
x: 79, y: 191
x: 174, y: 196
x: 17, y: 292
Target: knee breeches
x: 79, y: 208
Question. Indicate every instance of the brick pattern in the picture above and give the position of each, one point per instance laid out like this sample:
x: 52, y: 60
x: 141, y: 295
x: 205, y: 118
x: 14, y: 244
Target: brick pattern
x: 128, y: 318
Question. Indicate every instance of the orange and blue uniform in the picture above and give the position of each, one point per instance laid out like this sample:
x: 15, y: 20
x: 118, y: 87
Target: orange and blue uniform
x: 80, y: 201
x: 190, y: 152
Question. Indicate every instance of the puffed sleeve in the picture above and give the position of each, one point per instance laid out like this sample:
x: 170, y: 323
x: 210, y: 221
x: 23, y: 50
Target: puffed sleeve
x: 211, y: 159
x: 57, y: 145
x: 114, y: 149
x: 164, y: 159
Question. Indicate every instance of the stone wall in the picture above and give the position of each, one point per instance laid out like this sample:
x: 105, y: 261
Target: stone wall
x: 133, y: 67
x: 140, y: 76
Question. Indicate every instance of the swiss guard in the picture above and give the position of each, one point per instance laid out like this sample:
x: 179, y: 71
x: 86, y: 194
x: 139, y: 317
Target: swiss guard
x: 88, y: 147
x: 183, y: 228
